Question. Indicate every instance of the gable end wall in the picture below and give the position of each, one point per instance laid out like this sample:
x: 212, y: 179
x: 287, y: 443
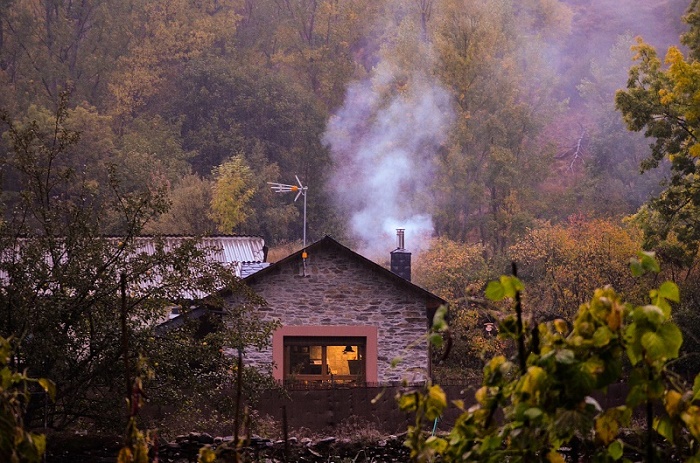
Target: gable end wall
x: 339, y: 290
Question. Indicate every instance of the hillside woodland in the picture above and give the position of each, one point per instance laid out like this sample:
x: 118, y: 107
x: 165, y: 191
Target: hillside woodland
x: 560, y: 134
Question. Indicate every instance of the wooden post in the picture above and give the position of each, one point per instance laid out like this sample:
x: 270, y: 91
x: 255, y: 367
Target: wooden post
x: 239, y: 393
x: 125, y: 335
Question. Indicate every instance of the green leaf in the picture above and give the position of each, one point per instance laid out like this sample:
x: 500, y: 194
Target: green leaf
x: 674, y: 338
x: 653, y: 314
x: 593, y: 366
x: 634, y: 347
x: 649, y: 262
x: 506, y: 286
x: 436, y: 340
x: 439, y: 322
x: 49, y: 387
x: 511, y: 285
x: 565, y: 356
x: 664, y: 427
x: 664, y: 343
x: 533, y: 413
x: 636, y: 396
x: 495, y: 291
x: 615, y: 450
x: 491, y: 442
x: 636, y: 267
x: 696, y: 387
x: 602, y: 336
x: 670, y: 291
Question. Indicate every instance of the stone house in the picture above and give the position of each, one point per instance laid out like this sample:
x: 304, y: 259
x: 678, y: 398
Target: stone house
x: 344, y: 318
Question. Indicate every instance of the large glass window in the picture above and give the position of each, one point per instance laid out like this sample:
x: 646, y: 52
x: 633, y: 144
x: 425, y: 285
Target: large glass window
x: 325, y: 359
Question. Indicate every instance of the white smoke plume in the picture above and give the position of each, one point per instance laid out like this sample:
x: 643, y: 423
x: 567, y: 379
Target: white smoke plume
x: 384, y: 141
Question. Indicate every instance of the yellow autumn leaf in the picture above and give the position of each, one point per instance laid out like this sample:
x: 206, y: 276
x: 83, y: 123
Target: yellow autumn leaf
x: 532, y: 381
x: 481, y: 395
x: 437, y: 395
x: 606, y: 428
x: 672, y: 401
x: 206, y: 455
x: 561, y: 326
x: 555, y: 457
x: 125, y: 455
x: 691, y: 418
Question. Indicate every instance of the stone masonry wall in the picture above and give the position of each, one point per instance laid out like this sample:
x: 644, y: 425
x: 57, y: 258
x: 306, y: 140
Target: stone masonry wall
x: 336, y: 289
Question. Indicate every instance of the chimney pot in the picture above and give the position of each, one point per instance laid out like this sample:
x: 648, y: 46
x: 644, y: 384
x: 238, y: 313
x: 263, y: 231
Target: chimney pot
x: 400, y: 238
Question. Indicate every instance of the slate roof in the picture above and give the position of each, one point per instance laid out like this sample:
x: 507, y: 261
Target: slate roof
x: 433, y: 300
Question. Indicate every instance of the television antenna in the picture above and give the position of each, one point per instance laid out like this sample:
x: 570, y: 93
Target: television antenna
x: 299, y: 189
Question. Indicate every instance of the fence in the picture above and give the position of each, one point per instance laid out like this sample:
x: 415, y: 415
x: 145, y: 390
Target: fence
x: 327, y: 409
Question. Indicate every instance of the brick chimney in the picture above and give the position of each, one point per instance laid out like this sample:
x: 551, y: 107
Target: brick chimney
x: 400, y: 258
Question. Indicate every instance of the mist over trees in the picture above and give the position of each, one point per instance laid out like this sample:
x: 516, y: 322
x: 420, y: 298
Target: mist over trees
x: 526, y: 128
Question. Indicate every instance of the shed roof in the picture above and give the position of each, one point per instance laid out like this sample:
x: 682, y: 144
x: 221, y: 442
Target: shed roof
x: 224, y: 249
x: 244, y: 255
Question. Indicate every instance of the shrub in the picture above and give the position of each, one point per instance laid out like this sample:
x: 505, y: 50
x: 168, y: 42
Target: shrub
x: 539, y: 401
x: 16, y: 443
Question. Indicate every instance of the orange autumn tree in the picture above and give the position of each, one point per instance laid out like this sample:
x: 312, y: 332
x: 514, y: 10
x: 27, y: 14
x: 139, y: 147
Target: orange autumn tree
x: 562, y: 264
x: 458, y: 273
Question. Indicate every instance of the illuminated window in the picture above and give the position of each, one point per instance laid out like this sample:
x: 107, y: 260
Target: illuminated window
x: 327, y: 359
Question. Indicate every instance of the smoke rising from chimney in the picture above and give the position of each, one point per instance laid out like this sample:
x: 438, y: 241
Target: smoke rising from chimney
x: 384, y: 140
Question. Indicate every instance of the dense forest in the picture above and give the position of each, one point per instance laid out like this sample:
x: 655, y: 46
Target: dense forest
x: 472, y: 121
x: 538, y: 131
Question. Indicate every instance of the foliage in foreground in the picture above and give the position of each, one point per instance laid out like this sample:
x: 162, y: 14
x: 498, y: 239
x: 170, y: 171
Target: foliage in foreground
x: 534, y: 404
x: 16, y: 443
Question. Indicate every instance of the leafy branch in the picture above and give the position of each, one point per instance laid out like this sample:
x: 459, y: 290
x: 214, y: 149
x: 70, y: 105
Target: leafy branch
x: 539, y: 404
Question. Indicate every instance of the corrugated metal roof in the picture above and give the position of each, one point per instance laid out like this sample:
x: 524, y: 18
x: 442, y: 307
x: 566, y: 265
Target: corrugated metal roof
x: 244, y: 255
x: 225, y: 249
x: 249, y: 268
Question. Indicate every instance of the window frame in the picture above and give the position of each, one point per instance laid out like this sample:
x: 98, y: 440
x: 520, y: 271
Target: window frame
x: 305, y: 345
x: 369, y: 333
